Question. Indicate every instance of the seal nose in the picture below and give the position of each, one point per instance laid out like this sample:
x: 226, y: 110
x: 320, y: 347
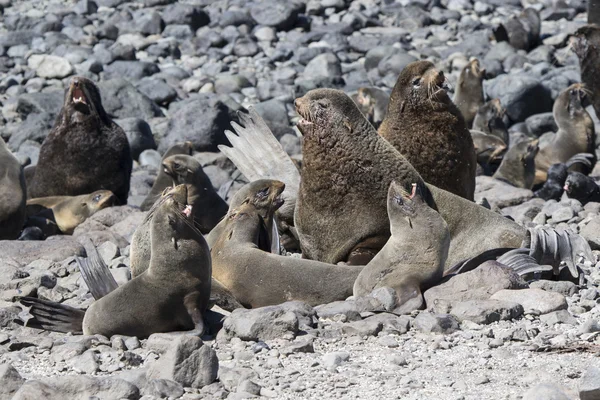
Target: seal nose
x: 296, y: 104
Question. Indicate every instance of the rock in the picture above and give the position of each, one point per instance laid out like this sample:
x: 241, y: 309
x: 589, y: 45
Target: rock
x: 589, y: 387
x: 563, y: 214
x: 367, y: 327
x: 201, y: 119
x: 534, y: 299
x: 591, y: 233
x: 565, y: 288
x: 435, y: 323
x: 132, y: 70
x: 56, y: 248
x: 349, y: 309
x: 558, y: 317
x: 247, y: 386
x: 333, y: 360
x: 79, y: 386
x: 49, y: 66
x: 486, y: 311
x: 479, y: 284
x: 263, y: 323
x: 138, y: 134
x: 50, y: 103
x: 394, y: 63
x: 188, y: 361
x: 521, y: 95
x: 10, y: 381
x: 187, y: 14
x: 122, y: 100
x: 545, y: 391
x: 280, y: 15
x: 85, y: 363
x: 498, y: 193
x: 157, y: 90
x: 322, y: 67
x: 163, y: 388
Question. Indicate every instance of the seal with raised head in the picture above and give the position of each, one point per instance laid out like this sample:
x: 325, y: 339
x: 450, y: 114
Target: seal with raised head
x: 576, y: 133
x: 13, y: 194
x: 429, y: 130
x: 67, y: 212
x: 162, y: 179
x: 490, y: 120
x: 413, y: 258
x: 518, y: 166
x: 586, y: 44
x: 469, y: 91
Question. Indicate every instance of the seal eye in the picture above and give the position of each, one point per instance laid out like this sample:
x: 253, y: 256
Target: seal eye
x: 416, y: 82
x: 176, y: 165
x: 263, y: 193
x: 322, y: 104
x: 97, y: 197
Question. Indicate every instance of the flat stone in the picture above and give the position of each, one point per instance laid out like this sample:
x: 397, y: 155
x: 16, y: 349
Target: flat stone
x: 534, y: 299
x: 435, y: 323
x: 486, y: 311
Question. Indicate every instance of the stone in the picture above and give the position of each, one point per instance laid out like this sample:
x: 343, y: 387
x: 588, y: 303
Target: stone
x: 138, y: 134
x: 545, y: 391
x: 324, y: 66
x: 591, y: 233
x: 589, y: 387
x: 55, y: 248
x: 85, y: 363
x: 486, y: 311
x: 394, y: 63
x: 558, y: 317
x: 10, y: 381
x: 534, y: 299
x: 333, y: 360
x: 500, y: 194
x: 263, y: 323
x: 367, y: 327
x: 78, y: 386
x: 435, y: 323
x: 157, y: 90
x: 163, y: 388
x: 187, y: 361
x: 49, y: 66
x: 350, y: 309
x: 122, y: 100
x: 278, y: 14
x: 565, y: 288
x: 187, y: 14
x: 248, y: 386
x: 132, y: 70
x: 232, y: 377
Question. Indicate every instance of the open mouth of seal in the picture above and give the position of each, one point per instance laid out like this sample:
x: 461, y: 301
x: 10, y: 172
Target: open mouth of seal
x: 79, y: 100
x: 187, y: 211
x: 278, y: 202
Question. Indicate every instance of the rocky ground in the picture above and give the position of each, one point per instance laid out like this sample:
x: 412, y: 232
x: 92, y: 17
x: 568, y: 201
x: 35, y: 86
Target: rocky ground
x: 172, y: 71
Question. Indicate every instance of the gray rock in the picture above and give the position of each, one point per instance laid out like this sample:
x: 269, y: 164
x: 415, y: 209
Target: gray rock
x: 558, y: 317
x: 47, y: 102
x: 188, y: 361
x: 541, y: 123
x: 589, y: 387
x: 322, y: 67
x: 187, y: 14
x: 122, y: 100
x: 157, y: 90
x: 232, y: 377
x: 500, y: 194
x: 367, y: 327
x: 49, y: 66
x: 163, y: 388
x: 591, y: 233
x: 534, y: 299
x: 565, y: 288
x: 281, y: 15
x: 248, y: 386
x: 138, y: 134
x: 486, y: 311
x: 226, y: 84
x: 394, y: 63
x: 435, y: 323
x: 85, y: 363
x: 349, y: 309
x: 262, y: 323
x: 545, y: 391
x: 150, y: 158
x: 10, y: 381
x: 333, y: 360
x: 71, y: 387
x: 562, y: 214
x: 56, y: 248
x: 132, y: 70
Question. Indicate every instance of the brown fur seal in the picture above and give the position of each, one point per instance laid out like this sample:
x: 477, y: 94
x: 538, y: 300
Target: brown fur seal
x: 518, y: 165
x: 85, y: 151
x: 576, y: 133
x: 162, y: 179
x: 469, y: 91
x: 490, y: 151
x: 586, y: 44
x: 521, y: 31
x: 413, y: 258
x: 427, y: 128
x: 208, y: 206
x: 489, y: 119
x: 373, y: 103
x: 70, y: 211
x: 13, y: 194
x: 259, y: 278
x: 341, y: 212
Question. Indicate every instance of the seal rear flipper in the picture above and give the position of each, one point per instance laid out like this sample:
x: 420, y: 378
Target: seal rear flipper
x: 474, y: 262
x: 96, y: 274
x: 258, y: 155
x: 522, y: 263
x: 52, y: 316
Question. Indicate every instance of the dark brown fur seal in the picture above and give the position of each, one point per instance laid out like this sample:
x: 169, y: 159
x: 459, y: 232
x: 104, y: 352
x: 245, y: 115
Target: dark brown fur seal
x: 413, y: 259
x: 162, y: 179
x: 489, y: 120
x: 469, y: 91
x: 341, y: 211
x: 85, y: 151
x: 427, y: 128
x: 67, y: 212
x: 518, y: 165
x: 576, y: 133
x: 13, y: 194
x: 259, y: 278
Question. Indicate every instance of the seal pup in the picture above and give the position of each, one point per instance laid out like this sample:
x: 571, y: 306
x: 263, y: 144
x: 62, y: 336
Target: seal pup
x: 68, y: 212
x: 582, y: 188
x: 258, y: 278
x: 521, y: 31
x: 576, y: 133
x: 429, y: 130
x: 13, y: 194
x: 208, y: 206
x: 85, y: 151
x: 413, y: 259
x: 490, y: 119
x: 373, y: 103
x: 469, y: 91
x: 586, y: 44
x: 518, y: 166
x: 162, y: 179
x: 557, y: 175
x: 489, y: 149
x: 171, y: 296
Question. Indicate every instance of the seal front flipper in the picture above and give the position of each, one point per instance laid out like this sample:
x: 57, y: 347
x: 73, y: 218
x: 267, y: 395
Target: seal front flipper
x: 52, y: 316
x: 96, y: 274
x: 222, y: 297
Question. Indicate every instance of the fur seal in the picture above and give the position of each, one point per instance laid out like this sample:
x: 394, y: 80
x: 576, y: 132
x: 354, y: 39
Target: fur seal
x: 521, y: 31
x: 582, y: 188
x: 557, y: 175
x: 259, y: 278
x: 85, y: 151
x: 576, y: 133
x: 429, y: 130
x: 586, y: 44
x: 490, y: 119
x: 162, y: 179
x: 373, y: 103
x: 67, y: 212
x: 489, y: 149
x: 171, y: 296
x: 13, y: 194
x: 518, y: 165
x: 413, y: 258
x: 469, y: 91
x: 208, y: 206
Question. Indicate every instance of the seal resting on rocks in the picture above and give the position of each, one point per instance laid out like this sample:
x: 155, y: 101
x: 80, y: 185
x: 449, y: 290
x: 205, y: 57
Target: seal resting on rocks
x: 557, y: 175
x: 430, y: 131
x: 518, y: 166
x: 172, y: 295
x: 13, y: 194
x: 469, y: 91
x: 576, y: 133
x: 582, y: 188
x: 85, y: 151
x: 67, y: 212
x: 162, y: 179
x: 413, y: 258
